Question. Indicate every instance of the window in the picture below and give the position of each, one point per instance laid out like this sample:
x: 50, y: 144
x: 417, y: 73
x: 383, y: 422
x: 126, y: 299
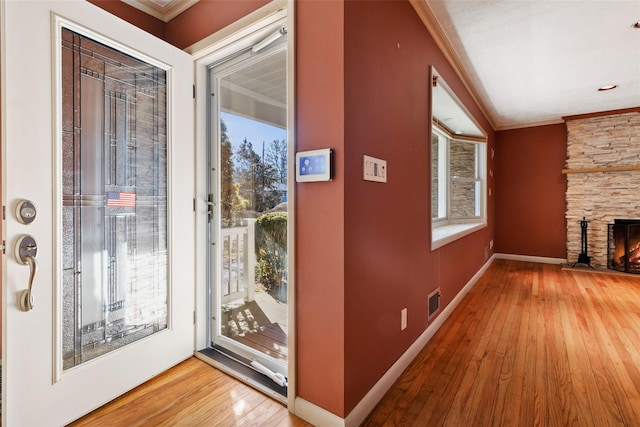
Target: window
x: 456, y: 181
x: 458, y: 162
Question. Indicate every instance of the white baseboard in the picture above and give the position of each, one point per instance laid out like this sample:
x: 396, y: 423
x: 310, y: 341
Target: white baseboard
x: 321, y: 417
x: 316, y: 415
x: 529, y: 258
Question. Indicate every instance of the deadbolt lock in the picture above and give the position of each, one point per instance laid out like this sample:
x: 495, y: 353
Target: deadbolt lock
x: 26, y: 211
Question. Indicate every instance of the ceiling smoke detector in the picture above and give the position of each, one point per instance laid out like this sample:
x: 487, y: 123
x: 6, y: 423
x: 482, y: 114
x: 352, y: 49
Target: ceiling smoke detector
x: 636, y: 25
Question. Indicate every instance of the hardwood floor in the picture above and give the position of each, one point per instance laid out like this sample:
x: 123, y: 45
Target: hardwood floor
x: 192, y: 394
x: 529, y: 345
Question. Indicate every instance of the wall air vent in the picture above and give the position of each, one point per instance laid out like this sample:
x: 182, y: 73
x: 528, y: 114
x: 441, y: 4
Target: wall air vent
x: 433, y: 304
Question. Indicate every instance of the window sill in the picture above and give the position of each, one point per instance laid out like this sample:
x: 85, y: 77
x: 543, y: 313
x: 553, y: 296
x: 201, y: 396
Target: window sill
x: 446, y: 234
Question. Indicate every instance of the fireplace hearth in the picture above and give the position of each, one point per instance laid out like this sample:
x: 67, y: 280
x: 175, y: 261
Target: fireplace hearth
x: 624, y: 245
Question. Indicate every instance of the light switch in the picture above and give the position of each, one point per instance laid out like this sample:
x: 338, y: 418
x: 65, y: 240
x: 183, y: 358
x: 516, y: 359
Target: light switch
x: 375, y: 169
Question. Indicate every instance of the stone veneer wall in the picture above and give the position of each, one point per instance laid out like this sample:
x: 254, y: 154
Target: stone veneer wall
x: 601, y: 197
x: 462, y: 164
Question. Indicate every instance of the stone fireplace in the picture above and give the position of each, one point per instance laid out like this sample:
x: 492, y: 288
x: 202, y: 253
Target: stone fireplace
x: 603, y: 171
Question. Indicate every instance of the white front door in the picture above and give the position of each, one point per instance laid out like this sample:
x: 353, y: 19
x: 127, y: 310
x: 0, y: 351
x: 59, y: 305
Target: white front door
x: 98, y: 135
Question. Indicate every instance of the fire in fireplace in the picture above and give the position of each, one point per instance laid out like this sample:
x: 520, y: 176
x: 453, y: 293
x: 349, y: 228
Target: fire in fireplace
x: 624, y: 245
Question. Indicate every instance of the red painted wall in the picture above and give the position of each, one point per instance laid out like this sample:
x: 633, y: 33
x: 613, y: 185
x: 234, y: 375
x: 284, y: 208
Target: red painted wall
x: 362, y: 249
x: 200, y: 20
x: 389, y: 264
x: 205, y: 18
x: 530, y: 191
x: 320, y: 207
x: 131, y: 14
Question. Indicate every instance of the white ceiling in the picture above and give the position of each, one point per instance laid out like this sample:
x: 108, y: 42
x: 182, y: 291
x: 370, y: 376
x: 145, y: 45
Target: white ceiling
x: 527, y: 62
x: 258, y: 90
x: 533, y: 62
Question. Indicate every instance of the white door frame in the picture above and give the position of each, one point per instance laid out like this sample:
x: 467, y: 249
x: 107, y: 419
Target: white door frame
x: 47, y: 396
x: 251, y: 29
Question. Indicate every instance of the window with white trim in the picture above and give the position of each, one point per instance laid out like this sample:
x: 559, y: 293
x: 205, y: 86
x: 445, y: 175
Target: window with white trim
x: 458, y: 164
x: 456, y: 178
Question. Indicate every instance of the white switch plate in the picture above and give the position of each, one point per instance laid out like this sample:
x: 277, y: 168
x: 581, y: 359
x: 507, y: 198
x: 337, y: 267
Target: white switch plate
x: 403, y: 319
x: 375, y: 169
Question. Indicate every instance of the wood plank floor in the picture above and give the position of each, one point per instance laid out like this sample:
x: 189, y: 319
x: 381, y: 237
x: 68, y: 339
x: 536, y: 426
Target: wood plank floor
x: 530, y: 345
x: 192, y: 394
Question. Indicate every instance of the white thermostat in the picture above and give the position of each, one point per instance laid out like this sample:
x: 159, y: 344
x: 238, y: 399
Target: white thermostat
x: 314, y: 165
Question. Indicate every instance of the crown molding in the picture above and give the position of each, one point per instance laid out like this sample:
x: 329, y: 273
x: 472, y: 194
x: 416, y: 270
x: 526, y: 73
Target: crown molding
x: 429, y: 20
x: 602, y: 113
x: 165, y: 11
x: 530, y: 124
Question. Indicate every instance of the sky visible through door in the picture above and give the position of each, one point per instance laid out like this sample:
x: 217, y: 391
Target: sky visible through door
x: 239, y: 128
x: 255, y: 189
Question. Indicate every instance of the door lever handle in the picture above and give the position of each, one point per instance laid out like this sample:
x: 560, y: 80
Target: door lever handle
x: 26, y: 251
x: 26, y: 297
x: 211, y: 205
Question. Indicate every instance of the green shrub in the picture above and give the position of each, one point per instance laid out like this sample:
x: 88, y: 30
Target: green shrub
x: 271, y: 248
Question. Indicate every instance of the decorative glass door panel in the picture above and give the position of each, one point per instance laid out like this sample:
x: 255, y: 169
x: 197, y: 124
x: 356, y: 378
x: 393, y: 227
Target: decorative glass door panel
x: 114, y: 180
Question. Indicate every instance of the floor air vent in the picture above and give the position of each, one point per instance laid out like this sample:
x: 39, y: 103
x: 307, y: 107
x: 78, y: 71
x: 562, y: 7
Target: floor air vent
x: 434, y: 303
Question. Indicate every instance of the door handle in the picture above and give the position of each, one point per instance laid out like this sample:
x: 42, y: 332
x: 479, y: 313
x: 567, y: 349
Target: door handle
x: 210, y: 206
x: 26, y: 251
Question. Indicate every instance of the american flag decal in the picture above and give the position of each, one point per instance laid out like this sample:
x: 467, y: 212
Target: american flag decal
x: 121, y: 200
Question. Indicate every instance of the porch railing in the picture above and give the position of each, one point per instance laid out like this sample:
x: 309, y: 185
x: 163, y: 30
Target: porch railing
x: 238, y: 262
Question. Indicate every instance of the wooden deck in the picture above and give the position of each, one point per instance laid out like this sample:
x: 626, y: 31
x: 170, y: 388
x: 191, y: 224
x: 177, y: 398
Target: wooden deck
x: 269, y: 339
x: 249, y: 325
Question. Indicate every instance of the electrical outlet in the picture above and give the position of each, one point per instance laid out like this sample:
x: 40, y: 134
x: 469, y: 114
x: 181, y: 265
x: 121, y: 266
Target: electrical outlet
x: 491, y: 244
x: 403, y: 319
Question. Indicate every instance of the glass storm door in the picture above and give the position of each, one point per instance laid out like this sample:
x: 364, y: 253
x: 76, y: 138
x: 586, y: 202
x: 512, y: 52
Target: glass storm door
x: 248, y: 185
x: 93, y: 141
